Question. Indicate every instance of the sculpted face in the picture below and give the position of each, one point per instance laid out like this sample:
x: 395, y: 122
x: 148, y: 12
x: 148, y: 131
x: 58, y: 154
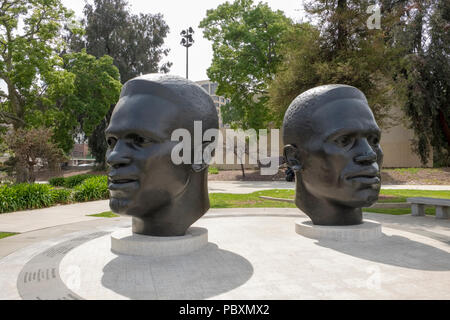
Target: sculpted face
x: 343, y: 158
x: 163, y: 198
x: 332, y: 142
x: 142, y: 177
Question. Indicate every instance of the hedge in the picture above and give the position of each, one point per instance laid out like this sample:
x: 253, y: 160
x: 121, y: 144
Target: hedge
x: 34, y: 196
x: 95, y: 188
x: 57, y: 181
x: 25, y: 196
x: 69, y: 182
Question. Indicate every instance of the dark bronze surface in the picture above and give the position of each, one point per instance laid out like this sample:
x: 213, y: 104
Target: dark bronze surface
x: 164, y: 199
x: 331, y: 140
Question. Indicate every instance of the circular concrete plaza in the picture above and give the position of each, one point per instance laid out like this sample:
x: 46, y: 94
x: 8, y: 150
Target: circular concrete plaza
x: 250, y: 254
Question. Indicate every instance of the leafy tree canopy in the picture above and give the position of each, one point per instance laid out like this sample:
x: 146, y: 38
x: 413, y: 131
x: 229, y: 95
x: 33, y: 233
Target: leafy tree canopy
x: 95, y: 87
x: 29, y: 62
x: 423, y: 73
x: 135, y: 42
x: 32, y: 147
x: 246, y: 53
x: 339, y: 49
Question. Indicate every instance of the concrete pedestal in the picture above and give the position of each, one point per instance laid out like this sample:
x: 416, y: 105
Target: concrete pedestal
x: 442, y: 212
x: 417, y: 209
x: 368, y: 230
x: 126, y: 242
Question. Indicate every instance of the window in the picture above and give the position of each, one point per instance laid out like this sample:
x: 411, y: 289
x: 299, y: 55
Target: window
x: 213, y: 88
x: 206, y: 87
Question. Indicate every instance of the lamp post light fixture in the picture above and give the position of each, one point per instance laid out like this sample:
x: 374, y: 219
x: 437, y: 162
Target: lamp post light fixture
x: 187, y: 42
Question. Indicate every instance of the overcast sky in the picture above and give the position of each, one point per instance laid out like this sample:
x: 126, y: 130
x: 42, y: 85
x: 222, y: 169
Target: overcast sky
x: 180, y: 15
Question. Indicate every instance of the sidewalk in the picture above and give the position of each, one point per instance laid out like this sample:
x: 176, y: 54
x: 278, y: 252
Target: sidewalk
x: 29, y: 220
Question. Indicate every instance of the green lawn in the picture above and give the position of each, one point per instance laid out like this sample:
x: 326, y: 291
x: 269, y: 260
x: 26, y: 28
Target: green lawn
x: 6, y: 234
x: 252, y: 200
x: 400, y: 211
x: 106, y: 214
x: 401, y: 195
x: 213, y: 170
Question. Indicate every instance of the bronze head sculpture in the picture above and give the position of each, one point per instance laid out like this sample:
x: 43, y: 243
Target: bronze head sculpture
x: 163, y: 198
x: 331, y: 140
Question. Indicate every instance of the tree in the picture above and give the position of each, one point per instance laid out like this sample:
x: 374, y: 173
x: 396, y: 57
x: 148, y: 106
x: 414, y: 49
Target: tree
x: 423, y: 74
x: 246, y: 53
x: 340, y: 49
x: 29, y: 63
x: 96, y: 88
x: 135, y: 42
x: 31, y: 148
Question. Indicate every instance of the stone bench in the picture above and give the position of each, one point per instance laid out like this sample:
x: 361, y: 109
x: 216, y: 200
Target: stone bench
x: 418, y: 206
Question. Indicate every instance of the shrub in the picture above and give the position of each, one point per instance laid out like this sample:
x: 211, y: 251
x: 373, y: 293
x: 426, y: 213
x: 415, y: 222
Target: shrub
x: 62, y: 196
x: 94, y: 188
x: 29, y: 145
x: 73, y: 181
x: 69, y: 182
x: 57, y: 181
x: 25, y: 196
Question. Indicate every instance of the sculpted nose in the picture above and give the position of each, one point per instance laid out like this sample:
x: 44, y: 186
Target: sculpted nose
x: 118, y: 156
x: 366, y: 154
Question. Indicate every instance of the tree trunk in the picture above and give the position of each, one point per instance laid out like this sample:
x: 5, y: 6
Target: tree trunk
x: 21, y: 174
x: 243, y: 170
x: 444, y: 126
x: 341, y: 28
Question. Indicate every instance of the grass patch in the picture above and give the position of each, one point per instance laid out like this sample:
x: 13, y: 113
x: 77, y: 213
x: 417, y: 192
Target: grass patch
x: 401, y: 195
x: 106, y: 214
x: 213, y: 170
x: 399, y: 211
x: 252, y: 200
x: 7, y: 234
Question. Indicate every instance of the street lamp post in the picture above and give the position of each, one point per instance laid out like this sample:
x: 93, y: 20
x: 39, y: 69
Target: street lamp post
x: 187, y: 42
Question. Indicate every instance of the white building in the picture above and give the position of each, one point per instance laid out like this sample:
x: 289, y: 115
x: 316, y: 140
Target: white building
x: 219, y: 101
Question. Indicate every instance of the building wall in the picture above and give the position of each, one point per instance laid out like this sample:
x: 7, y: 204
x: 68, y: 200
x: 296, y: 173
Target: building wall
x: 395, y: 141
x: 396, y: 145
x: 219, y: 101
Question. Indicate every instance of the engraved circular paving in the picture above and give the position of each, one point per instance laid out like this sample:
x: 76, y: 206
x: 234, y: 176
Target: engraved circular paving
x: 251, y: 256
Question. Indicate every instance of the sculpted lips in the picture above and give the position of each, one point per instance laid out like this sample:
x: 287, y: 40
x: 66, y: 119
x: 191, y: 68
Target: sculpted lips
x: 120, y: 183
x: 365, y: 177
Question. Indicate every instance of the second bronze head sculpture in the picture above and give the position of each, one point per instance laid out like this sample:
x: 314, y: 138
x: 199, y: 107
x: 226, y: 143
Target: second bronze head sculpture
x: 163, y: 199
x: 331, y: 140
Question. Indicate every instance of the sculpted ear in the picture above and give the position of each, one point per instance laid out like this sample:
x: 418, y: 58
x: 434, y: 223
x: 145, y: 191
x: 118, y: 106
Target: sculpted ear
x: 292, y: 156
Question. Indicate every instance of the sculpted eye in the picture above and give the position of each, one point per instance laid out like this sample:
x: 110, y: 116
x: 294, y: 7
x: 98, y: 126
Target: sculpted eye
x: 344, y: 141
x: 139, y: 140
x: 374, y: 139
x: 111, y: 141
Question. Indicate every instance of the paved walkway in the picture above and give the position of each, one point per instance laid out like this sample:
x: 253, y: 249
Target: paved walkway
x: 29, y: 220
x: 252, y: 254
